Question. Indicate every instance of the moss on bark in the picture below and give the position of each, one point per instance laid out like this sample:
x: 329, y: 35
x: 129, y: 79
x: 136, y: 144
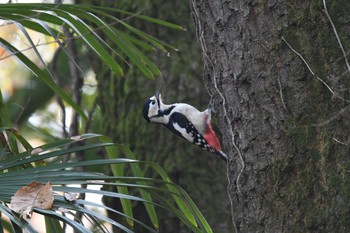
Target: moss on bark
x: 290, y: 128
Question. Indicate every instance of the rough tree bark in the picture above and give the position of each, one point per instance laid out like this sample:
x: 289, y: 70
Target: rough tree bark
x: 284, y: 119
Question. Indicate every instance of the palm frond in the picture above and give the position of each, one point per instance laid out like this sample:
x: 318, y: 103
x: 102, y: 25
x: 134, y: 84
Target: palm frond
x: 89, y: 24
x: 154, y: 193
x: 86, y: 22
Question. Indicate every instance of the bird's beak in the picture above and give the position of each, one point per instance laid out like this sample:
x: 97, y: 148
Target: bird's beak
x: 158, y: 98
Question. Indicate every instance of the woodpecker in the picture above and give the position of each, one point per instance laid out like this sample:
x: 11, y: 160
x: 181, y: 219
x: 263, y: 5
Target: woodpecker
x: 185, y: 121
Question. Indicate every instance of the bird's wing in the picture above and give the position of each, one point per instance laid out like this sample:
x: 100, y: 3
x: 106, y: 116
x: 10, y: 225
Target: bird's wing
x: 181, y: 126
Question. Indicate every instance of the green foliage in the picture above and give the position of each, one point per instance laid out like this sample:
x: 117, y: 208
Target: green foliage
x: 84, y: 21
x: 19, y: 169
x: 121, y: 119
x: 55, y: 160
x: 46, y: 18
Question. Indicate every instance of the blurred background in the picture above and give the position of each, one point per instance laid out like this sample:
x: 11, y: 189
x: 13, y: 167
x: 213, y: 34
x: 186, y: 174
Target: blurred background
x: 115, y: 103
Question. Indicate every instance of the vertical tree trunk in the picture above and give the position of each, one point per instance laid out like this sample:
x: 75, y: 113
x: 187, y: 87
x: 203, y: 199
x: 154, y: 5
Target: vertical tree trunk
x: 284, y: 119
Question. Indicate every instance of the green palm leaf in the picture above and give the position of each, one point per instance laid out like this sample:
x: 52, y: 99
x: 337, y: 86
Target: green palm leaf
x: 45, y: 163
x: 42, y: 74
x: 61, y: 174
x: 81, y: 19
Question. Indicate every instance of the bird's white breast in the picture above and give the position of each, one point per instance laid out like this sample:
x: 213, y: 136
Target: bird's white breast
x: 196, y: 117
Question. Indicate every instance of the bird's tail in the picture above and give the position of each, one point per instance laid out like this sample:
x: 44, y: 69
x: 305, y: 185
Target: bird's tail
x: 222, y: 155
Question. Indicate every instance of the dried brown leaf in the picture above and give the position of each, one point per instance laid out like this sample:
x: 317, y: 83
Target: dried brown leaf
x: 35, y: 194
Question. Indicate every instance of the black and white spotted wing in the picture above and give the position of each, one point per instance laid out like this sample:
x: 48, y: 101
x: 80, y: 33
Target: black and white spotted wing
x: 181, y: 126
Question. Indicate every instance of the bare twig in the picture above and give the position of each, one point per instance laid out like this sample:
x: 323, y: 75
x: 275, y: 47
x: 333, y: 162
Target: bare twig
x: 63, y: 120
x: 336, y: 35
x: 21, y: 109
x: 313, y: 74
x: 301, y: 57
x: 281, y: 93
x: 26, y: 49
x: 342, y: 143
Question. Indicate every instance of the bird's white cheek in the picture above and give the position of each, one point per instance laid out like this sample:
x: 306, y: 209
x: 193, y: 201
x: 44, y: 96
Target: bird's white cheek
x: 152, y: 111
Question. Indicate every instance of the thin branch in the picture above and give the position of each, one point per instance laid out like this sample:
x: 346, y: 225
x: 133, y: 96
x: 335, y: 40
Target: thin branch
x: 330, y: 89
x: 313, y: 74
x: 301, y: 57
x: 336, y: 35
x: 281, y: 93
x: 27, y: 49
x: 63, y: 120
x: 21, y: 110
x: 342, y: 143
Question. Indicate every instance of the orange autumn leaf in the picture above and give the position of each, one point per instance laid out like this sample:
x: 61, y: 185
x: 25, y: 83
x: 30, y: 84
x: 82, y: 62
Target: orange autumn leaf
x: 35, y: 194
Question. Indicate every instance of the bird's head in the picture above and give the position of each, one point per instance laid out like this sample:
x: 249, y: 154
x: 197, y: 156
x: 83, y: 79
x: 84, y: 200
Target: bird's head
x: 153, y: 108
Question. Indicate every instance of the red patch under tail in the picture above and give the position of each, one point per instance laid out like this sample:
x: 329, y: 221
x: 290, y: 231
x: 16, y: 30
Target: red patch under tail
x: 211, y: 138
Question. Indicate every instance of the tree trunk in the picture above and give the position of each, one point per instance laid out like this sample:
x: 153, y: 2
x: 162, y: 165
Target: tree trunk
x: 280, y: 87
